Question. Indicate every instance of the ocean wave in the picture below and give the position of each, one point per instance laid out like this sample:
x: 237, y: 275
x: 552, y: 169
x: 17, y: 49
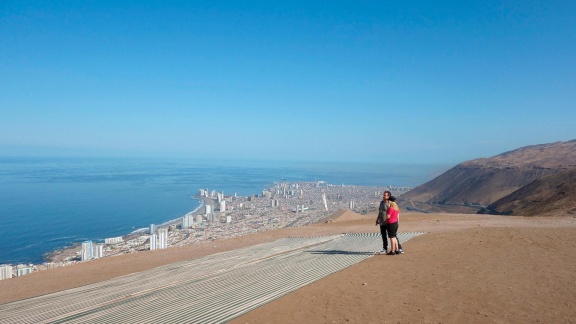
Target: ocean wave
x: 143, y: 229
x: 27, y: 247
x: 63, y: 238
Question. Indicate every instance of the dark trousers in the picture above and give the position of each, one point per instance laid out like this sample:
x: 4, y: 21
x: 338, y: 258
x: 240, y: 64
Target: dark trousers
x: 383, y: 229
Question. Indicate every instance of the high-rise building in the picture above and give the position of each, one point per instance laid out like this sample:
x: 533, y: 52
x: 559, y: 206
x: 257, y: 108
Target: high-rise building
x: 153, y: 242
x: 152, y: 229
x: 208, y: 209
x: 86, y: 251
x: 5, y: 272
x: 223, y: 206
x: 186, y: 222
x: 98, y: 251
x: 162, y: 238
x: 153, y: 239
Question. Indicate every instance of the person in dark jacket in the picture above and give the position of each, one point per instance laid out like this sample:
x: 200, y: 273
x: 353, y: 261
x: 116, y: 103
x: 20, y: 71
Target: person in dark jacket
x: 381, y: 220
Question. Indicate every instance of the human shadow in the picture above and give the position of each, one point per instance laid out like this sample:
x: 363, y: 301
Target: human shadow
x: 340, y: 252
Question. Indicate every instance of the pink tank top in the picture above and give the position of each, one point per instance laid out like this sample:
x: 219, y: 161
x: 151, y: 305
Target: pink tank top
x: 393, y: 216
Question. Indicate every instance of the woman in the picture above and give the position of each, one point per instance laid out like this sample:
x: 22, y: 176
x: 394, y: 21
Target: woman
x: 392, y: 225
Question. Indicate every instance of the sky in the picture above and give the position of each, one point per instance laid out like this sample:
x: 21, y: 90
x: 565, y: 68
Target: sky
x: 391, y: 81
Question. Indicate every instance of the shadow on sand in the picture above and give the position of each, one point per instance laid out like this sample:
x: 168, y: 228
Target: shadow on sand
x: 340, y: 252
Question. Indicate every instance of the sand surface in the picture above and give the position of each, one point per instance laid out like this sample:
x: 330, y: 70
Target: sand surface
x: 467, y: 268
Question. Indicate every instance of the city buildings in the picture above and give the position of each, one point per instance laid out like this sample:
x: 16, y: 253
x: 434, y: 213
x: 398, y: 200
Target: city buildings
x: 23, y: 270
x: 114, y: 240
x: 240, y: 215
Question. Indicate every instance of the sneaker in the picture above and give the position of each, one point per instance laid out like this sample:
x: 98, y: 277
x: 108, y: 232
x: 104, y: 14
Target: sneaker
x: 381, y: 252
x: 391, y: 253
x: 400, y: 251
x: 397, y: 252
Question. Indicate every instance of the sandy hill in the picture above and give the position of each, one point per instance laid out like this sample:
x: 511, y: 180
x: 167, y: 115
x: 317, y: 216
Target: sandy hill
x: 550, y: 195
x: 451, y: 274
x: 344, y: 215
x: 475, y: 185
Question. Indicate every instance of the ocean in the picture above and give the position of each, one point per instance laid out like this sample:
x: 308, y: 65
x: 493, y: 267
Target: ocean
x: 50, y: 203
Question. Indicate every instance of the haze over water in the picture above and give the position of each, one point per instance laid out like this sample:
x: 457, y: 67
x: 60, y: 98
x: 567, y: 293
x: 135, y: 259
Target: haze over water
x: 50, y: 203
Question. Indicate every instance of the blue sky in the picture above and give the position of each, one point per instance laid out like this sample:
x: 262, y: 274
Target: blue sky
x: 391, y: 81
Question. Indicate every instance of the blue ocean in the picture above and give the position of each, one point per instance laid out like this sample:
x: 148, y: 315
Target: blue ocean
x: 50, y: 203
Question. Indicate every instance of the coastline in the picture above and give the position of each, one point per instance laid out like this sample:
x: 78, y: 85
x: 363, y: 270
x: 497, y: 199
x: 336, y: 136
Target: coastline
x: 243, y: 215
x: 93, y: 200
x: 73, y: 251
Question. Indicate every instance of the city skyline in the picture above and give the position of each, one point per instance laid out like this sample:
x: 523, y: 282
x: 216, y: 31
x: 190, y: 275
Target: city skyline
x: 283, y: 204
x: 327, y: 81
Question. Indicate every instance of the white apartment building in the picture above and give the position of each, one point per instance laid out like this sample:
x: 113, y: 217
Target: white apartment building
x: 98, y: 251
x: 5, y: 272
x: 86, y: 251
x: 153, y: 242
x: 23, y: 271
x: 162, y: 238
x: 114, y: 240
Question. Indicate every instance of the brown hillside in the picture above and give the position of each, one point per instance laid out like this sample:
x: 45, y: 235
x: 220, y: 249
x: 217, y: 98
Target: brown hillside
x: 475, y: 184
x: 554, y: 194
x: 556, y: 155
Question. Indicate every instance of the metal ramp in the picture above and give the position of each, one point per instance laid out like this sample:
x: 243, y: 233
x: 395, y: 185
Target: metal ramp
x: 211, y: 289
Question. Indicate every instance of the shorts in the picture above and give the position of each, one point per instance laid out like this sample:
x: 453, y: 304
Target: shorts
x: 392, y: 229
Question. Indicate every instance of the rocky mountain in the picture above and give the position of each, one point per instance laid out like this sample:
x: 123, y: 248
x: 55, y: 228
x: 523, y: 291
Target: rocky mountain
x: 476, y: 185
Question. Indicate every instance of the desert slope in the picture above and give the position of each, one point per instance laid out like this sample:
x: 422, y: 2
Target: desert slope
x: 476, y: 184
x: 467, y: 268
x: 551, y: 195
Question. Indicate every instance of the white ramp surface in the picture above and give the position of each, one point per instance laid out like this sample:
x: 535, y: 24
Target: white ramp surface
x: 212, y: 289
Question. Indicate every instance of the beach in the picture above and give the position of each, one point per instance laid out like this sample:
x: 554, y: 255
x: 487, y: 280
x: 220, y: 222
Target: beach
x: 73, y: 251
x: 472, y: 268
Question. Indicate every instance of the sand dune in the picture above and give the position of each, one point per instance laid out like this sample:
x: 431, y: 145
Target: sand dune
x: 467, y: 268
x: 347, y: 215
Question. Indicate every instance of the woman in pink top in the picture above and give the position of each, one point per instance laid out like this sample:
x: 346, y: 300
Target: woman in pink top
x: 392, y: 221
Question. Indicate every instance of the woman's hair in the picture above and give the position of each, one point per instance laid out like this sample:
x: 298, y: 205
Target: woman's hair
x: 392, y: 198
